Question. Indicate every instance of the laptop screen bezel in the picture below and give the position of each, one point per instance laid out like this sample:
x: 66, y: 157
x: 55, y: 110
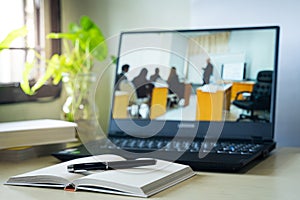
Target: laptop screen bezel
x: 230, y: 129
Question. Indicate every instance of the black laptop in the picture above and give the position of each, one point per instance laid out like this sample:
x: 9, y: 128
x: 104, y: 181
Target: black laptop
x: 166, y: 107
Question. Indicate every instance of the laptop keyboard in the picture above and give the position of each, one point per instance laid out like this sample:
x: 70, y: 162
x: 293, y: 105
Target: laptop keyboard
x: 182, y: 146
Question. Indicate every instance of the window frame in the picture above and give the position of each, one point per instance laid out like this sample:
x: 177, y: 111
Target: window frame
x: 12, y: 92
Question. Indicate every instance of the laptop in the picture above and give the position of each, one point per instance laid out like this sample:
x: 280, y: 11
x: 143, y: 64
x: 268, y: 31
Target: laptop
x: 168, y: 105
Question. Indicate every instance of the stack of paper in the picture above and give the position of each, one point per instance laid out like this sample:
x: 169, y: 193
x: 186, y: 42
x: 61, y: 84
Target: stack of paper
x: 36, y: 132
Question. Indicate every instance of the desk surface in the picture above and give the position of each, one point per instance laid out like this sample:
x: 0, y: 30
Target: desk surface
x: 213, y: 88
x: 277, y: 177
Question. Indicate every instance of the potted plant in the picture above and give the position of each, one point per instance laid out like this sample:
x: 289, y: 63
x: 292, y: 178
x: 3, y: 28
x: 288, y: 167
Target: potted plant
x: 83, y: 45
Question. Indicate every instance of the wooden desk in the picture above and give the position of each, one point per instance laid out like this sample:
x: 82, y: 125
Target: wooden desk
x: 121, y: 102
x: 241, y: 86
x: 158, y: 102
x: 212, y: 102
x: 275, y: 178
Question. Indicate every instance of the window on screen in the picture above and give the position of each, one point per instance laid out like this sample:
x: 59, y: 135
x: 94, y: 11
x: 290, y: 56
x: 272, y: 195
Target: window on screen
x: 233, y: 71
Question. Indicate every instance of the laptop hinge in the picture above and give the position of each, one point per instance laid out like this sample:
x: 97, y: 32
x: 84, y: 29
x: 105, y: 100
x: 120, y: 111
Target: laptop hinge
x: 257, y: 140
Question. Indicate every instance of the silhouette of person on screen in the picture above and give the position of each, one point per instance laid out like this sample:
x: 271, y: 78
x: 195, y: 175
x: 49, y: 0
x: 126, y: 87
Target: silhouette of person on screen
x: 157, y: 80
x: 121, y: 76
x: 142, y: 85
x: 155, y: 76
x: 175, y: 86
x: 208, y: 71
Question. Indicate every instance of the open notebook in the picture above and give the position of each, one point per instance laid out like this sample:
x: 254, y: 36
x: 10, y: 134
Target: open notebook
x: 141, y: 181
x: 202, y: 97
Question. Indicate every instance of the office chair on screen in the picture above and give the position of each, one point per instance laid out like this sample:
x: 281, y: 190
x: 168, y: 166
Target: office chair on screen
x: 257, y: 100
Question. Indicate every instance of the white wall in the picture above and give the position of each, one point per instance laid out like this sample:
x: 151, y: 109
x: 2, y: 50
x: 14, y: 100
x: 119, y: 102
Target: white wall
x: 151, y: 50
x: 114, y: 16
x: 135, y: 51
x: 211, y: 13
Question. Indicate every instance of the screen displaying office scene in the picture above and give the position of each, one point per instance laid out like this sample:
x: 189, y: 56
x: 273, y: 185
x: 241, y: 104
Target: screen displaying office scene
x: 196, y: 75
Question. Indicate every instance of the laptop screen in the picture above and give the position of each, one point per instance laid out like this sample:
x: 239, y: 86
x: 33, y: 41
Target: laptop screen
x: 195, y: 83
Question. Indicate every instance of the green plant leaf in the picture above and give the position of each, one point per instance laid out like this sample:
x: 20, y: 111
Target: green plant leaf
x: 69, y: 36
x: 101, y: 51
x: 114, y: 59
x: 88, y: 35
x: 86, y: 23
x: 25, y: 83
x: 21, y: 32
x: 98, y: 46
x: 91, y: 37
x: 74, y: 28
x: 83, y: 44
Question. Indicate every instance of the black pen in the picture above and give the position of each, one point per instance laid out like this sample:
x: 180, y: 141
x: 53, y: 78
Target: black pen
x: 110, y: 165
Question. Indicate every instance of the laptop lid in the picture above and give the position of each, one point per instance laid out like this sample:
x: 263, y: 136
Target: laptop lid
x: 237, y: 55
